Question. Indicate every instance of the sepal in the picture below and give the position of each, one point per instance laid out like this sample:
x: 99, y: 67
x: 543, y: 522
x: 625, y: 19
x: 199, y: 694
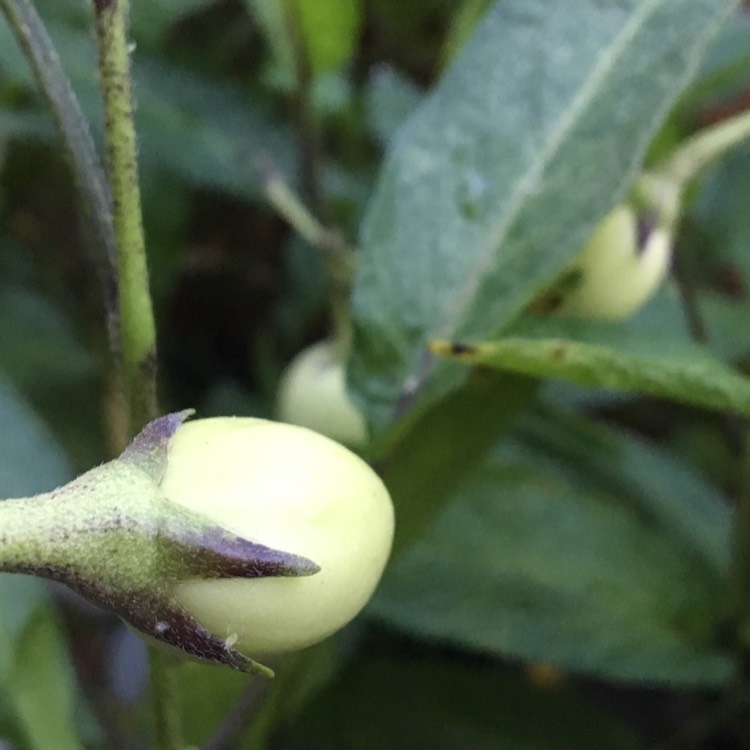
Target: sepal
x: 112, y: 536
x: 149, y: 449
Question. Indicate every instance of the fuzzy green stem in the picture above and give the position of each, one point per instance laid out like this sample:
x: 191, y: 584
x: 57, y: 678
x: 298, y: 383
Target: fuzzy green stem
x: 137, y: 329
x: 705, y: 147
x: 69, y: 534
x: 28, y: 535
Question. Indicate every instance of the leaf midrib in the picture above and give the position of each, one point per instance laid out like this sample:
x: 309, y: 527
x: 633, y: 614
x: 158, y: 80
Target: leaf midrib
x: 497, y: 234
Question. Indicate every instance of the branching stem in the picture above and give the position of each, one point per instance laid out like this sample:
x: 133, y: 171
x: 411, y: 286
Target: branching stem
x: 339, y: 257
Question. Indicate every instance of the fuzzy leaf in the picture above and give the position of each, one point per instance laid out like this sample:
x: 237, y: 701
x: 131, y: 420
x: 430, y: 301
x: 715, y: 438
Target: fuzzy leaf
x: 497, y: 180
x: 441, y: 703
x: 578, y: 547
x: 589, y: 353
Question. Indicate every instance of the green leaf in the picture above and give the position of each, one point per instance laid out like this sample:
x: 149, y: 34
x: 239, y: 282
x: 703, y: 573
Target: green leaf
x: 24, y: 124
x: 725, y: 69
x: 442, y: 704
x: 301, y: 676
x: 205, y: 131
x: 719, y: 213
x: 43, y: 685
x: 500, y: 176
x: 446, y: 445
x: 199, y: 129
x: 37, y: 342
x: 463, y: 23
x: 310, y: 44
x: 36, y: 679
x: 330, y: 29
x: 590, y: 353
x: 151, y: 21
x: 269, y: 15
x: 73, y: 129
x: 724, y: 319
x: 35, y: 676
x: 206, y: 695
x: 576, y: 546
x: 30, y: 459
x: 389, y: 100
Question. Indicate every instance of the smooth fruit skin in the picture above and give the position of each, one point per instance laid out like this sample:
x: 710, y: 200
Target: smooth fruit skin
x: 617, y: 277
x: 312, y: 393
x: 293, y: 490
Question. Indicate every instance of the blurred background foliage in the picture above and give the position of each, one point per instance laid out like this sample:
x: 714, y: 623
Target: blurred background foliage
x: 572, y: 594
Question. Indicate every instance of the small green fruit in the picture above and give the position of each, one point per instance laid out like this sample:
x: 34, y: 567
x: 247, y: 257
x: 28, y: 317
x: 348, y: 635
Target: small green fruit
x: 313, y: 394
x: 616, y: 274
x: 291, y: 489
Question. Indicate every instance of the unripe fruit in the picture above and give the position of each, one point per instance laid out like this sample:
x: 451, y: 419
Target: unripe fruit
x: 313, y: 394
x: 290, y: 489
x: 618, y: 270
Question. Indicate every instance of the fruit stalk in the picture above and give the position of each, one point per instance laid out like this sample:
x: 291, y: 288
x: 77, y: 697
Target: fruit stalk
x: 705, y: 147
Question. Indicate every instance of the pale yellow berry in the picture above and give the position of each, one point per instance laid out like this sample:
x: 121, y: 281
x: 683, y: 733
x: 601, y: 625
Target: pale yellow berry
x: 312, y: 393
x: 293, y: 490
x: 616, y: 277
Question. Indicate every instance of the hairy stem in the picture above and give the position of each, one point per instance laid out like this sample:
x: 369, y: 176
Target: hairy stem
x: 28, y: 536
x: 137, y: 330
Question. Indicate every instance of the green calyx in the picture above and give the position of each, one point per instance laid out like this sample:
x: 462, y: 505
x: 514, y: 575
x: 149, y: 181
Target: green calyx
x: 656, y: 197
x: 112, y: 536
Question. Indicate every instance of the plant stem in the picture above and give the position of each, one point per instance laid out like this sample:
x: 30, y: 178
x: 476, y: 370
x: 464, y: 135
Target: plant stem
x: 137, y: 330
x: 290, y: 207
x: 164, y: 695
x: 705, y: 147
x: 310, y: 147
x: 339, y: 257
x: 283, y: 199
x: 238, y: 718
x: 682, y: 265
x: 36, y: 45
x: 28, y: 538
